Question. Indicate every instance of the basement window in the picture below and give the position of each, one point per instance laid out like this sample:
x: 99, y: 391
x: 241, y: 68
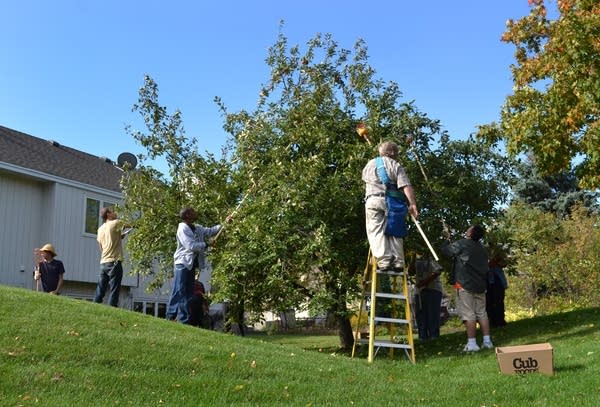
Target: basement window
x: 158, y: 309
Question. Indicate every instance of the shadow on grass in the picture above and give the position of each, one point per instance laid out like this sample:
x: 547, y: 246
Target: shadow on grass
x: 569, y: 368
x: 568, y: 325
x: 573, y: 324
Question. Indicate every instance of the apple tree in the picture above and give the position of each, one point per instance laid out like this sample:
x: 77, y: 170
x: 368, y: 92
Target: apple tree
x: 299, y: 238
x: 291, y: 176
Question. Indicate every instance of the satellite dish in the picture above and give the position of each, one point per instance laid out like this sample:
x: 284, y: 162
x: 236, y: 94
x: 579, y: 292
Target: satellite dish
x: 127, y: 158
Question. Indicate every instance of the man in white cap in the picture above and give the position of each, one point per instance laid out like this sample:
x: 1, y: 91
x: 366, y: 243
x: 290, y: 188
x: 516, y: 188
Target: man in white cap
x: 386, y: 245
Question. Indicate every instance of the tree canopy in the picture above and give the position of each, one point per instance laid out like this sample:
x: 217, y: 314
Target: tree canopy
x: 153, y: 200
x: 301, y: 238
x: 554, y: 110
x: 291, y: 173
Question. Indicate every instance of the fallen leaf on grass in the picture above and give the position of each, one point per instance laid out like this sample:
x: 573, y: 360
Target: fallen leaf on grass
x: 253, y: 364
x: 57, y: 377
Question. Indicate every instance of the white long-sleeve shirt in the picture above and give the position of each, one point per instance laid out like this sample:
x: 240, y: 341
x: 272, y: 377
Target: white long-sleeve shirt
x: 192, y: 242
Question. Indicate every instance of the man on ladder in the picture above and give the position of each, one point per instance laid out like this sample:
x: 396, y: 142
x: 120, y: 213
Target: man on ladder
x: 385, y: 213
x: 386, y: 226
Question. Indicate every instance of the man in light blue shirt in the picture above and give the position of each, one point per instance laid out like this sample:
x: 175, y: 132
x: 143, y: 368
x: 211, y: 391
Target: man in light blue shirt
x: 189, y: 255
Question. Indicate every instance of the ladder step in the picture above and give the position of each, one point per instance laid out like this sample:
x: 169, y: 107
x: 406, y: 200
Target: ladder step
x: 391, y: 290
x: 384, y: 343
x: 390, y: 295
x: 390, y: 344
x: 391, y: 320
x: 390, y: 272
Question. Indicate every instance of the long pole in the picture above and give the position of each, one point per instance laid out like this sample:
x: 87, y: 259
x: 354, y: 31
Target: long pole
x: 414, y: 151
x: 37, y: 258
x: 435, y: 256
x: 232, y: 214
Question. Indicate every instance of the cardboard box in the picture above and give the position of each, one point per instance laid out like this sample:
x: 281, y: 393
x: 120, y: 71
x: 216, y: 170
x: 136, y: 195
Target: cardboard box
x: 526, y: 359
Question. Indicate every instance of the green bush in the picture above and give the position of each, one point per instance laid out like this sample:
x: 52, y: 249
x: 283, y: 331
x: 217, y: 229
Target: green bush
x: 554, y: 262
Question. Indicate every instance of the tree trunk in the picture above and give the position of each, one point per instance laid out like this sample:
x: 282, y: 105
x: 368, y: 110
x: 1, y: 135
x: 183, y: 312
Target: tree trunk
x: 340, y: 310
x: 345, y: 333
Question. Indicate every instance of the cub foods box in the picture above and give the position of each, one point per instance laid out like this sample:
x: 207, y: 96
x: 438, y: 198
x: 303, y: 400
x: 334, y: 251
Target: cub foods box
x: 526, y: 359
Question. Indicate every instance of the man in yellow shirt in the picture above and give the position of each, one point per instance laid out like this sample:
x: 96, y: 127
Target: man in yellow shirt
x: 110, y: 236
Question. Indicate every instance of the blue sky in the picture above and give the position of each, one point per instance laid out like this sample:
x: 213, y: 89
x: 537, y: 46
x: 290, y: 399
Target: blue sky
x: 70, y: 69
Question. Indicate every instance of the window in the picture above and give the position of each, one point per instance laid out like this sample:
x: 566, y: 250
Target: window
x: 92, y: 214
x: 158, y: 309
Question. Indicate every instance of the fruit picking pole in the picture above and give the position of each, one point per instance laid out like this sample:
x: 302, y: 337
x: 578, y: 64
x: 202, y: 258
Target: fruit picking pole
x: 414, y: 150
x: 237, y: 208
x: 435, y: 256
x: 363, y: 132
x: 37, y: 258
x: 229, y: 216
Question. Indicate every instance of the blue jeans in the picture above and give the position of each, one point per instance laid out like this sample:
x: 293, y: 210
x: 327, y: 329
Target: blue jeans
x: 428, y: 307
x: 181, y: 294
x: 111, y: 274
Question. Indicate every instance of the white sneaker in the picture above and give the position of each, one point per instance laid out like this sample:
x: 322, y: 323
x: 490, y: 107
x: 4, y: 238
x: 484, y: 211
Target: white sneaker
x: 471, y: 348
x: 488, y: 345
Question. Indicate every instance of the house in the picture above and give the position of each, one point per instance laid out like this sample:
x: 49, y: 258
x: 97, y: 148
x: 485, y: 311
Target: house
x: 50, y: 193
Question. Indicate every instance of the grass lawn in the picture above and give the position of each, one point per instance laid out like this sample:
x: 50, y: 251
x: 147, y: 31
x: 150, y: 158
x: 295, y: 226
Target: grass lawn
x: 57, y: 351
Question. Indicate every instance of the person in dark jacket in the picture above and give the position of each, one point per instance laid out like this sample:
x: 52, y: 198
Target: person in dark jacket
x: 428, y: 297
x: 199, y: 307
x: 497, y: 285
x: 471, y: 275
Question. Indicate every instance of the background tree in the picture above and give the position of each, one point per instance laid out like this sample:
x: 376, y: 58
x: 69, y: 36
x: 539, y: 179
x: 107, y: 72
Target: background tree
x: 556, y: 193
x: 554, y: 261
x: 554, y: 110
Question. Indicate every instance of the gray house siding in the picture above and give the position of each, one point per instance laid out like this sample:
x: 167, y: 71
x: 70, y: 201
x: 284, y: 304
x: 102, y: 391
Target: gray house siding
x: 44, y: 201
x: 36, y: 213
x: 21, y: 205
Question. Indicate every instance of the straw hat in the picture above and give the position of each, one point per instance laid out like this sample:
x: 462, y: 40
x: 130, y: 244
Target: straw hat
x: 49, y: 248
